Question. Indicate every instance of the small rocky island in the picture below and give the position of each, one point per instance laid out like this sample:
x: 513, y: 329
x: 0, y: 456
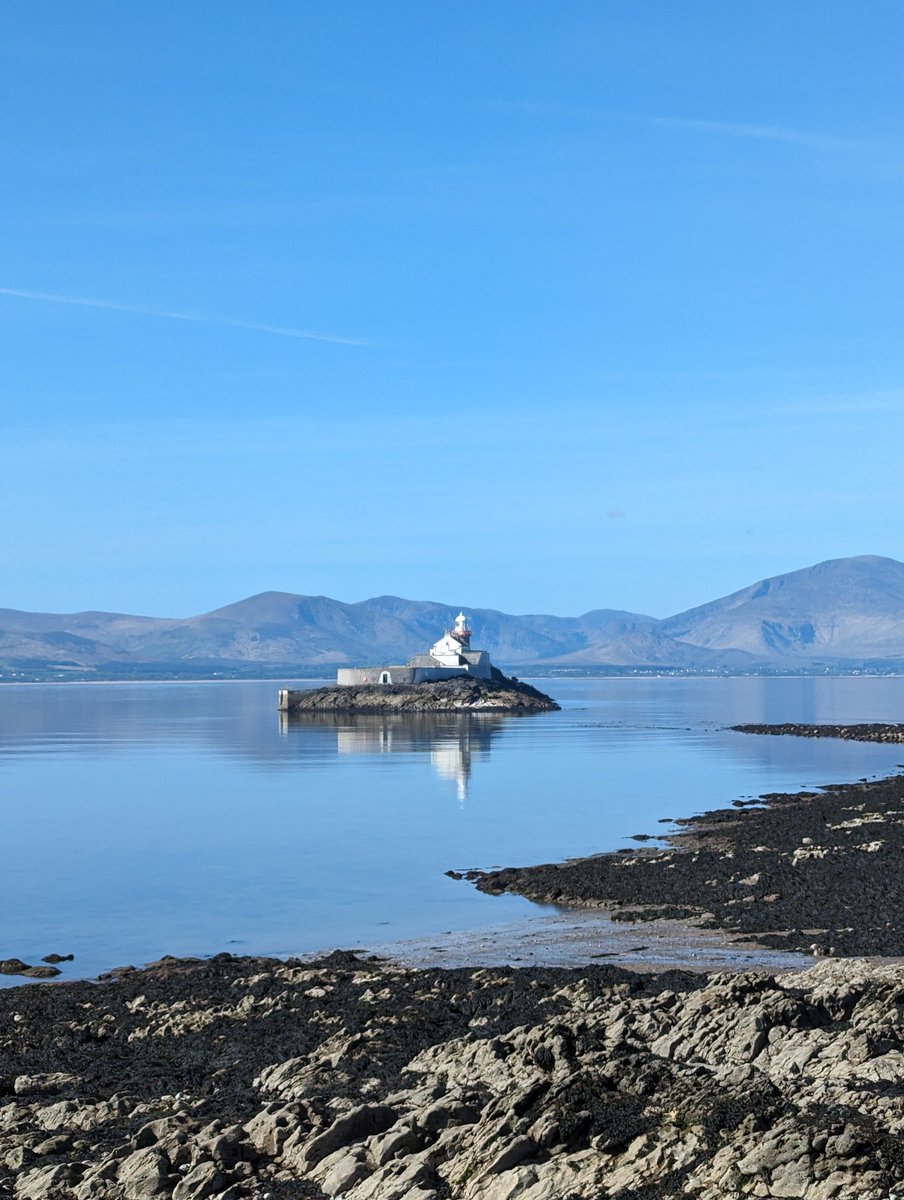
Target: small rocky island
x: 464, y: 693
x: 451, y: 677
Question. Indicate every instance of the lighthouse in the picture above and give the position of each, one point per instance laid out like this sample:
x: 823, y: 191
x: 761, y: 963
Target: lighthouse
x: 454, y: 644
x: 451, y: 655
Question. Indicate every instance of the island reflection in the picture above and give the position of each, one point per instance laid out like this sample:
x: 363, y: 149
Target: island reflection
x: 454, y: 741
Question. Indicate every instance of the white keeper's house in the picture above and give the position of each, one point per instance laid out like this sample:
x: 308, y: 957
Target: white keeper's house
x: 450, y: 656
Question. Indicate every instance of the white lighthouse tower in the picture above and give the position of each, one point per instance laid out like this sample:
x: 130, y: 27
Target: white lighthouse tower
x: 454, y: 643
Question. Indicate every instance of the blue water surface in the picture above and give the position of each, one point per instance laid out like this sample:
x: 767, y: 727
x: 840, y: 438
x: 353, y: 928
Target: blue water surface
x: 188, y: 818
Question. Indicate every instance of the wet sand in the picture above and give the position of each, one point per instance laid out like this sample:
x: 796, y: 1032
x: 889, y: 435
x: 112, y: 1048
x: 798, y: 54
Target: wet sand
x: 575, y: 938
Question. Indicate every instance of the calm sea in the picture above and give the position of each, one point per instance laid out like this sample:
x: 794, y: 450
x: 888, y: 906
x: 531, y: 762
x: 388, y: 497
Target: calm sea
x: 150, y: 819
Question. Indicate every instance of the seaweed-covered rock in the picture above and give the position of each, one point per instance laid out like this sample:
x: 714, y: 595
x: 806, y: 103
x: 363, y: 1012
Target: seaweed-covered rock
x: 874, y: 732
x: 353, y: 1077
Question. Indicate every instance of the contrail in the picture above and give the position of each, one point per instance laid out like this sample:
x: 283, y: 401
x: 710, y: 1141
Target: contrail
x: 140, y: 310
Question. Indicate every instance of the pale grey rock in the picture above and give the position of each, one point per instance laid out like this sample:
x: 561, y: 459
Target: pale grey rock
x: 279, y: 1078
x: 511, y: 1155
x: 338, y: 1173
x: 401, y: 1139
x: 792, y: 1179
x: 143, y: 1174
x: 19, y: 1158
x: 41, y: 1183
x: 781, y: 1145
x: 58, y: 1143
x: 442, y: 1113
x: 413, y: 1176
x: 57, y: 1116
x: 164, y: 1129
x: 100, y: 1180
x: 72, y: 1115
x: 226, y: 1148
x: 355, y: 1125
x: 205, y: 1179
x: 49, y: 1084
x: 269, y: 1129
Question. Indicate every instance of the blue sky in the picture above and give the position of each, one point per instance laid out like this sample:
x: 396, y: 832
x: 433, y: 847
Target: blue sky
x: 530, y: 306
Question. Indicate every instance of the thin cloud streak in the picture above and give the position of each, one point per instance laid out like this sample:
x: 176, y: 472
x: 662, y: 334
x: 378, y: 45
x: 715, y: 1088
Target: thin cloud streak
x: 735, y: 129
x: 198, y: 318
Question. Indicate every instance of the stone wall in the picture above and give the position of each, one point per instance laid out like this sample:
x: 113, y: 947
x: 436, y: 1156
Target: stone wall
x: 356, y: 676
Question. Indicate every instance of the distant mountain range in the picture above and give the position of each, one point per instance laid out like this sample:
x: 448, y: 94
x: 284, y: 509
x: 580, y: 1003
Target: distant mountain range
x: 844, y: 614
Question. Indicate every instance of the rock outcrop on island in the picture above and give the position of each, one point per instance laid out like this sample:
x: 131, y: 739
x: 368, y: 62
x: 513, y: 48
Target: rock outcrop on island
x: 245, y: 1078
x: 459, y: 693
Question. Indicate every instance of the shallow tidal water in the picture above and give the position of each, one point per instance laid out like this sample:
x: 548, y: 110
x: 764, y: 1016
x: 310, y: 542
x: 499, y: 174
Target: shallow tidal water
x: 148, y: 819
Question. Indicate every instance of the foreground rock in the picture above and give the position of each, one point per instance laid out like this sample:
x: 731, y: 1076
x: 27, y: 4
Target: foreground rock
x: 462, y: 692
x: 15, y: 966
x: 815, y: 871
x: 245, y: 1077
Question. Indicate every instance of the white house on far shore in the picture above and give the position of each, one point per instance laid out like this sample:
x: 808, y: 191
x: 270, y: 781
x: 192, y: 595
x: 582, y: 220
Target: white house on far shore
x: 450, y: 656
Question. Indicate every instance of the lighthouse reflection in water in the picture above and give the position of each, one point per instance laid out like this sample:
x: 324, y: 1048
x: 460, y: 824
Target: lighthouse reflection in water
x: 455, y: 741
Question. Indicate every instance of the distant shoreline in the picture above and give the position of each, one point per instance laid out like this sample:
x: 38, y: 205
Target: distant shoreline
x: 521, y: 672
x: 314, y: 679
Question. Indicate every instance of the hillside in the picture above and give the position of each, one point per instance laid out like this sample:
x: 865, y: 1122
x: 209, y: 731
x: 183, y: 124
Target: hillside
x: 840, y: 614
x: 843, y: 609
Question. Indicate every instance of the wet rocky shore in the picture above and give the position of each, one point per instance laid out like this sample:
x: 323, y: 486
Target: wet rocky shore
x: 887, y: 733
x: 813, y: 871
x: 241, y: 1077
x: 462, y: 692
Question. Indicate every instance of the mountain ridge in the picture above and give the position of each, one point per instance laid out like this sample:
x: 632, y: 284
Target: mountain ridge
x: 840, y: 614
